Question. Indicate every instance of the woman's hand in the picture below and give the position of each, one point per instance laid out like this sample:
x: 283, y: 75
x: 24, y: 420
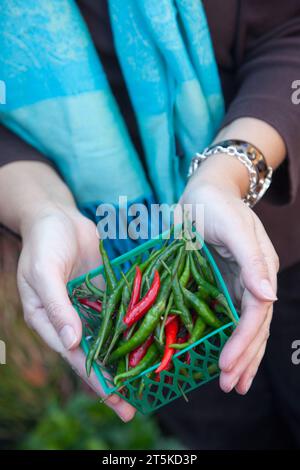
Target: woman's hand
x: 247, y: 260
x: 58, y: 245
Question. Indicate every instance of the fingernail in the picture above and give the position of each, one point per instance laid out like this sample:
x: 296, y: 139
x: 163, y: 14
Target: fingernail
x: 230, y: 367
x: 125, y: 417
x: 267, y: 290
x: 68, y: 336
x: 249, y: 383
x: 114, y: 399
x: 232, y: 385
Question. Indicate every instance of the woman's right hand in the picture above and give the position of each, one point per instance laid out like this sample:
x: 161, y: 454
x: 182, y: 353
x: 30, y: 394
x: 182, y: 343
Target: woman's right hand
x: 59, y: 244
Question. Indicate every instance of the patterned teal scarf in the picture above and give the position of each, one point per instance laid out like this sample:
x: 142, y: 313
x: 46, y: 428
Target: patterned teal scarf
x: 59, y: 100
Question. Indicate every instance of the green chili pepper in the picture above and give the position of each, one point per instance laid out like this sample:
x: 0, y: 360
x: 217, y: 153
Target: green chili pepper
x: 205, y: 267
x: 147, y: 361
x: 202, y: 293
x: 151, y: 319
x: 110, y: 276
x: 212, y: 369
x: 196, y: 334
x: 201, y: 308
x: 212, y: 291
x: 164, y: 254
x: 121, y: 367
x: 110, y: 306
x: 166, y: 313
x: 180, y: 304
x: 93, y: 348
x: 117, y: 332
x: 120, y: 327
x: 185, y: 276
x: 93, y: 289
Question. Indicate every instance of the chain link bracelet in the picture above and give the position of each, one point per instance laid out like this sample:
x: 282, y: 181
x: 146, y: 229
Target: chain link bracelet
x: 260, y: 175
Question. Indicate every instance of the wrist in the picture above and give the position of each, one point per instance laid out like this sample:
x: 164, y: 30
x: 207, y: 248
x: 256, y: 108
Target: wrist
x: 27, y: 191
x: 223, y: 172
x: 43, y: 209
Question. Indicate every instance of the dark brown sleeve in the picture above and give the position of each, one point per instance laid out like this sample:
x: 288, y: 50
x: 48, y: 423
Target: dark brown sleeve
x: 265, y: 75
x: 13, y: 148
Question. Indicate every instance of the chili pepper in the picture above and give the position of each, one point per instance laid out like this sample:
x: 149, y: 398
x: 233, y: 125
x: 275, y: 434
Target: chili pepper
x: 167, y: 379
x: 201, y: 308
x: 94, y: 304
x: 166, y: 314
x: 112, y: 304
x: 182, y: 340
x: 202, y: 293
x: 136, y: 289
x: 170, y: 319
x: 138, y: 354
x: 217, y: 307
x: 126, y: 292
x: 151, y: 319
x: 142, y: 307
x: 196, y: 334
x: 163, y: 256
x: 185, y: 276
x: 182, y: 273
x: 171, y: 336
x: 93, y: 289
x: 119, y: 319
x: 154, y: 256
x: 108, y: 309
x: 180, y: 303
x: 110, y: 276
x: 212, y: 369
x: 92, y: 351
x: 147, y: 361
x: 119, y: 324
x: 212, y: 291
x: 206, y: 269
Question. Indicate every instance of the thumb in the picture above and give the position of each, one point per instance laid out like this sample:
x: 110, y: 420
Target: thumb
x: 59, y: 309
x: 241, y: 240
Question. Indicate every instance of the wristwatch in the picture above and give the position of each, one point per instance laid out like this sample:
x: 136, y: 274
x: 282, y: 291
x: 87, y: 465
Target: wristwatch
x: 260, y: 174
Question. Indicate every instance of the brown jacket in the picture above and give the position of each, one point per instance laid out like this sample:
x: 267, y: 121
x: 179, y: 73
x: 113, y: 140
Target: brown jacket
x: 257, y: 47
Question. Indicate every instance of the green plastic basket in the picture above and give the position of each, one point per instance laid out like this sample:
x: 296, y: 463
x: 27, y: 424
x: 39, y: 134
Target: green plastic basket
x: 184, y: 377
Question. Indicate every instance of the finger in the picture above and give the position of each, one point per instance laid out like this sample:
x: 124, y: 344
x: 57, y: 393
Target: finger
x: 76, y: 358
x: 270, y: 255
x: 52, y: 291
x: 228, y: 380
x: 254, y: 314
x: 240, y: 238
x: 246, y: 380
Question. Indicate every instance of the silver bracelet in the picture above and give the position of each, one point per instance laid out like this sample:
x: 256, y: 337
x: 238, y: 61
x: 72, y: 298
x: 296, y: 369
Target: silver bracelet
x: 260, y: 175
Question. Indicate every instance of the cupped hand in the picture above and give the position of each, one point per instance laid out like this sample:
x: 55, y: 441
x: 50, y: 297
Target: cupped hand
x: 248, y: 262
x: 58, y: 245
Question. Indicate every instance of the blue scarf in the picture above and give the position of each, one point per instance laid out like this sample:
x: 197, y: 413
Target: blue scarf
x: 59, y: 99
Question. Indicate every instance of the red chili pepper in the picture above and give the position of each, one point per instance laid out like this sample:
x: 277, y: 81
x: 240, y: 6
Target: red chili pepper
x: 142, y: 307
x: 188, y: 358
x: 171, y: 337
x: 137, y: 354
x: 168, y: 379
x: 170, y: 319
x: 181, y: 340
x: 136, y: 289
x: 94, y: 304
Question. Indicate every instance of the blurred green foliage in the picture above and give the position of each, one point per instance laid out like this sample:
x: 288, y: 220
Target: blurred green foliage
x: 85, y: 424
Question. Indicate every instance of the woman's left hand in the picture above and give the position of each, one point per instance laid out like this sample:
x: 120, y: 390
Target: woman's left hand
x: 247, y: 260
